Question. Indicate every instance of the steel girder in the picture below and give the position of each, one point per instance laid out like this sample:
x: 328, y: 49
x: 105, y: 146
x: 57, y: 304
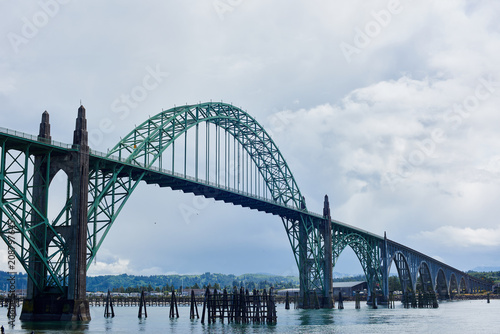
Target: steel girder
x: 433, y: 273
x: 144, y: 146
x: 24, y: 184
x: 146, y: 143
x: 367, y: 248
x: 109, y: 190
x: 308, y: 246
x: 403, y: 272
x: 110, y: 187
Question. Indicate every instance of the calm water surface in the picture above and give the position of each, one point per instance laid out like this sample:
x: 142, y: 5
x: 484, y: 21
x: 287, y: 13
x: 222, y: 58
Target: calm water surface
x: 451, y: 317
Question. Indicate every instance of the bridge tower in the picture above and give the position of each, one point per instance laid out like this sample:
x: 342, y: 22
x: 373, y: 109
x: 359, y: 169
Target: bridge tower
x: 328, y: 257
x: 315, y: 259
x: 66, y: 301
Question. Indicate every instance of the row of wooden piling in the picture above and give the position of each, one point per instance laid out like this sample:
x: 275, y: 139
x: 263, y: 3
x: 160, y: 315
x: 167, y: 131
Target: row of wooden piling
x: 237, y: 307
x: 421, y: 300
x: 240, y: 307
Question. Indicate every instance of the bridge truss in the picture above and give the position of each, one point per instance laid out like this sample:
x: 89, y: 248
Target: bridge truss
x: 212, y: 149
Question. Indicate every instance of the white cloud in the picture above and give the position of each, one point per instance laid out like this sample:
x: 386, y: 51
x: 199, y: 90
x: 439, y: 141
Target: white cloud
x: 341, y: 126
x: 451, y: 236
x: 120, y: 266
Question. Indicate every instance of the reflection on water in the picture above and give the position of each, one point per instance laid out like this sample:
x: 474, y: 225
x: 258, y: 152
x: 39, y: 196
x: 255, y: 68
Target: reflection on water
x: 56, y: 326
x: 316, y: 317
x: 450, y: 317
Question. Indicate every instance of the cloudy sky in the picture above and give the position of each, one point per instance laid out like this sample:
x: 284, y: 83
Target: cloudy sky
x: 389, y: 107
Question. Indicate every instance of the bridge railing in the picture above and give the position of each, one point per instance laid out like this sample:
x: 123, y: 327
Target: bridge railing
x: 35, y: 138
x: 194, y: 179
x: 223, y: 187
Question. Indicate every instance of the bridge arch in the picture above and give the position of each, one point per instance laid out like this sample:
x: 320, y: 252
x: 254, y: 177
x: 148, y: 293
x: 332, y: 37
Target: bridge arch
x: 441, y: 286
x: 146, y: 144
x: 453, y: 285
x: 463, y: 288
x: 404, y: 273
x: 230, y: 130
x: 368, y: 255
x: 424, y: 273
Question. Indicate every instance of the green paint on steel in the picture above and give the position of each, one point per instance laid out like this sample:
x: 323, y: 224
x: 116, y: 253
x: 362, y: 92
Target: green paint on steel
x: 146, y: 143
x: 144, y: 146
x: 20, y: 214
x: 366, y: 247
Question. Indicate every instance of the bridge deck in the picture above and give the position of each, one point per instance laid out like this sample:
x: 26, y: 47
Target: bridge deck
x: 164, y: 178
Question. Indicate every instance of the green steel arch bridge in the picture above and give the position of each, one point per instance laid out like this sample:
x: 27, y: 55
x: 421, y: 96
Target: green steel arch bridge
x: 211, y: 149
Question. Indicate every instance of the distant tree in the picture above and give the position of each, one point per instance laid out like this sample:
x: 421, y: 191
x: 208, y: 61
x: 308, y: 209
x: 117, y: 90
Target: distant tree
x: 196, y: 286
x: 394, y: 283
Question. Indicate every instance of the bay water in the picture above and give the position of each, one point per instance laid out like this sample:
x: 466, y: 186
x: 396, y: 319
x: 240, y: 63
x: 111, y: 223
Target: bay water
x: 475, y: 316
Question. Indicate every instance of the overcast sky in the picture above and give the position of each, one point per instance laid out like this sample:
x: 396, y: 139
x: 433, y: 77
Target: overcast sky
x: 389, y: 107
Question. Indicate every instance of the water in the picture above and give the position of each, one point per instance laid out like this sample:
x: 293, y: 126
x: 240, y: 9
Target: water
x: 451, y: 317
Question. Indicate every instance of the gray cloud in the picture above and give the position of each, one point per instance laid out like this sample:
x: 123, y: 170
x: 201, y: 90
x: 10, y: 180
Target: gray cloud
x: 347, y: 129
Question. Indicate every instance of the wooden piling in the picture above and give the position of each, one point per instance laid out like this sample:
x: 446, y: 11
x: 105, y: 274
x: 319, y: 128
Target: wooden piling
x: 341, y: 302
x: 194, y: 307
x: 109, y: 307
x: 358, y: 301
x: 287, y: 301
x: 174, y: 311
x: 11, y: 313
x: 271, y: 308
x: 142, y: 303
x: 240, y: 307
x: 205, y: 302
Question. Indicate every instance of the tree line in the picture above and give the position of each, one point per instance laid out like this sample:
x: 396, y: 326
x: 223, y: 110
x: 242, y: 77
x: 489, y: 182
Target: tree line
x: 161, y: 283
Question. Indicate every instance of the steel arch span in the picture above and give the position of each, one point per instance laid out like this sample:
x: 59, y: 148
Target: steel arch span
x: 234, y: 133
x: 366, y: 248
x: 236, y: 162
x: 264, y: 172
x: 147, y: 143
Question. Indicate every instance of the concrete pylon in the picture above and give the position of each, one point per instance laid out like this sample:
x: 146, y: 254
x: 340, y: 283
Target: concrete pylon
x: 77, y: 288
x: 328, y: 256
x: 47, y: 304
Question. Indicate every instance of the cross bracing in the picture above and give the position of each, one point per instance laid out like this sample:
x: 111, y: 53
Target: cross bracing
x: 214, y: 150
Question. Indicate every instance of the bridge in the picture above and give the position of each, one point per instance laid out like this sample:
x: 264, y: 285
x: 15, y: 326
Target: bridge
x: 211, y: 149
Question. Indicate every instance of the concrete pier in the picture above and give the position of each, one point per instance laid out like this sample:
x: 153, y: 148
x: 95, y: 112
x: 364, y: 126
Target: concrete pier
x: 48, y: 303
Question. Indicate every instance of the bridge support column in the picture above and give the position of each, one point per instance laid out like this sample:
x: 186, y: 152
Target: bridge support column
x: 316, y: 261
x: 328, y: 256
x: 385, y: 270
x: 49, y: 304
x: 304, y: 268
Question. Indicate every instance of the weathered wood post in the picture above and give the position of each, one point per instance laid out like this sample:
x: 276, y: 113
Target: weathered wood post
x: 109, y: 306
x: 173, y: 306
x: 193, y: 307
x: 341, y: 301
x: 142, y: 302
